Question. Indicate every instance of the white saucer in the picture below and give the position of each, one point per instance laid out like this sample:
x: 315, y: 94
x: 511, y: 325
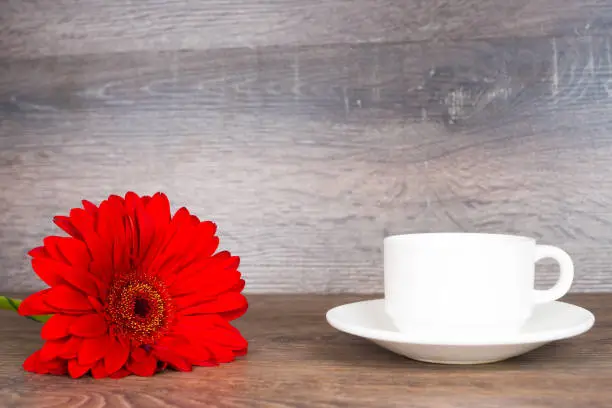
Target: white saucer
x: 549, y: 322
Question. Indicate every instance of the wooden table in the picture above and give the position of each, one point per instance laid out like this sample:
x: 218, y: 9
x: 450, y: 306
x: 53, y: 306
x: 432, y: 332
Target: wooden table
x: 297, y: 360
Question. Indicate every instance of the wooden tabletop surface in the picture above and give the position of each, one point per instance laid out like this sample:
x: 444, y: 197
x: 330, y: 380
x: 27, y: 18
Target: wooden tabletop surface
x: 297, y: 360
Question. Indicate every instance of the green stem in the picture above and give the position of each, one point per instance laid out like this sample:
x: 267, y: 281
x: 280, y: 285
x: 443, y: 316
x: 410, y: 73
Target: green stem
x: 8, y: 303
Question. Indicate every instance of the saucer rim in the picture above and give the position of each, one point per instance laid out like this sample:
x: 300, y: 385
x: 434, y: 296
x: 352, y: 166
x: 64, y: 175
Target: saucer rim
x: 519, y: 338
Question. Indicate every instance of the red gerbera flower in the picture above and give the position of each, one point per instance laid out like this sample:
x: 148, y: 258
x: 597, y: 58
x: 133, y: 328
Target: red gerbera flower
x: 134, y: 290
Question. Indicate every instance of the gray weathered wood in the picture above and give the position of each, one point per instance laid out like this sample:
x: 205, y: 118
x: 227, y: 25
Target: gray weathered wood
x: 308, y: 156
x: 297, y: 360
x: 29, y: 28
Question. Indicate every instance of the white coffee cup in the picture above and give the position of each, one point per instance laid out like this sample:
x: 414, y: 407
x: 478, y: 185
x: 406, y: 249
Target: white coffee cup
x: 466, y: 284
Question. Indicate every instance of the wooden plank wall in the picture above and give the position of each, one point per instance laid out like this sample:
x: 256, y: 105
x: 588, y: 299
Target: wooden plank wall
x: 309, y: 130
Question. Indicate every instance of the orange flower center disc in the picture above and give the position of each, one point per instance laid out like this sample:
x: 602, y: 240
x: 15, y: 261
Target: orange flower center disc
x: 139, y: 308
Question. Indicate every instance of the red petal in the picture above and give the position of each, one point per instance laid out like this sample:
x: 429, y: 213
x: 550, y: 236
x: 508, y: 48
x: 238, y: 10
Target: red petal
x: 201, y: 354
x: 103, y: 277
x: 139, y: 231
x: 228, y: 304
x: 31, y: 363
x: 206, y: 242
x: 196, y: 323
x: 101, y: 251
x: 119, y: 374
x: 220, y: 258
x: 93, y: 349
x: 205, y: 363
x: 179, y: 240
x: 211, y: 268
x: 34, y: 364
x: 177, y: 351
x: 207, y: 229
x: 74, y: 254
x: 35, y: 304
x: 89, y: 207
x: 220, y: 353
x: 181, y: 217
x: 57, y: 327
x: 73, y: 251
x: 198, y: 266
x: 63, y: 297
x: 98, y: 371
x: 159, y: 209
x: 89, y: 325
x: 206, y: 285
x: 116, y: 200
x: 39, y: 252
x: 196, y: 354
x: 229, y: 337
x: 174, y: 360
x: 112, y: 232
x: 203, y: 242
x: 77, y: 370
x: 65, y: 224
x: 80, y: 279
x: 96, y: 304
x: 238, y: 287
x: 177, y: 234
x: 116, y: 356
x: 82, y: 220
x: 146, y: 230
x: 131, y: 200
x: 71, y: 348
x: 47, y: 275
x: 121, y: 254
x: 215, y: 270
x: 57, y: 367
x: 52, y: 349
x: 232, y: 263
x: 51, y: 243
x: 234, y: 314
x: 186, y: 301
x: 211, y: 329
x: 144, y: 368
x: 111, y: 220
x: 138, y: 354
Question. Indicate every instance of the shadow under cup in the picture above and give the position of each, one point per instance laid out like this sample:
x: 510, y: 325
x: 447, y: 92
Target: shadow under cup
x: 466, y: 284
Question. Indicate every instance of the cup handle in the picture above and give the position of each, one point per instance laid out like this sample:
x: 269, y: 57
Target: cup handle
x: 566, y: 273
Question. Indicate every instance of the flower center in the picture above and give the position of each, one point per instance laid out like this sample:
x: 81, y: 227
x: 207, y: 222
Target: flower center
x: 139, y: 307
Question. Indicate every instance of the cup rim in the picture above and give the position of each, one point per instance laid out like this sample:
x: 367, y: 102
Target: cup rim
x: 422, y: 236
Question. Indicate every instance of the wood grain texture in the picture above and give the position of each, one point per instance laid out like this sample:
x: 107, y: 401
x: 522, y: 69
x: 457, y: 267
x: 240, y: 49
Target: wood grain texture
x: 296, y: 359
x: 307, y: 157
x: 34, y: 28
